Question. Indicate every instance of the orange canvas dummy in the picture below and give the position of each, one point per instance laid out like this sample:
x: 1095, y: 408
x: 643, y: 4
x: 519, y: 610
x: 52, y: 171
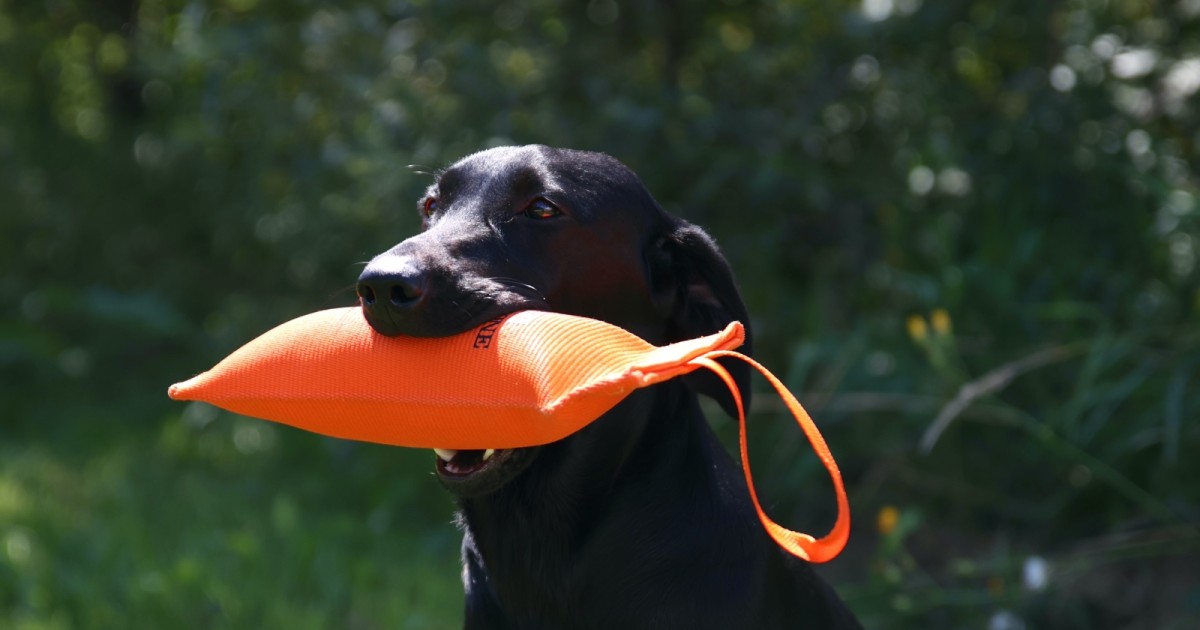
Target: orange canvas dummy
x: 524, y: 380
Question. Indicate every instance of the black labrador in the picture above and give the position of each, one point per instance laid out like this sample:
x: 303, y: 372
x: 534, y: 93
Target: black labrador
x: 640, y: 520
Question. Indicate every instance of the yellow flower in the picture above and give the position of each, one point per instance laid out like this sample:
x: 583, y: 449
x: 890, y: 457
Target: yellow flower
x: 995, y: 585
x: 887, y: 519
x: 940, y: 320
x: 917, y: 328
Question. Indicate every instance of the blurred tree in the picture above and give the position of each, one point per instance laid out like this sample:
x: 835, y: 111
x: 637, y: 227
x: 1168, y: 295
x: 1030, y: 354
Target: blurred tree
x: 983, y: 208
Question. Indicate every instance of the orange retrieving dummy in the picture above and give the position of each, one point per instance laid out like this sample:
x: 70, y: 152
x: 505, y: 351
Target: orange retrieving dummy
x: 523, y: 380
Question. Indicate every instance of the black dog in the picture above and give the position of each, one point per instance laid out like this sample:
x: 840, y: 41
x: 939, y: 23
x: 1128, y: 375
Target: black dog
x: 641, y: 520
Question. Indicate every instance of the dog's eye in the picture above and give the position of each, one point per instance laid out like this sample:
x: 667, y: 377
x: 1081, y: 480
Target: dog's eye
x: 430, y: 206
x: 542, y: 209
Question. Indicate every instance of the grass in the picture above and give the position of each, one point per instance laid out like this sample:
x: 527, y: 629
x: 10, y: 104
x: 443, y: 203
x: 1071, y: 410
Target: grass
x: 212, y: 521
x: 121, y: 509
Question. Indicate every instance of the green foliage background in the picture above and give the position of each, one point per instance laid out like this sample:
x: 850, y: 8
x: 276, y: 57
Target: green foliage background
x: 967, y: 232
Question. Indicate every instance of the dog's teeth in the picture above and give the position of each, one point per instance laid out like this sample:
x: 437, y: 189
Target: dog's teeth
x: 445, y: 453
x: 488, y: 453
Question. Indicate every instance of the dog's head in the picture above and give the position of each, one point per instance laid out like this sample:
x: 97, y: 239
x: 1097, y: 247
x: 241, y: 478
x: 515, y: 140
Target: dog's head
x: 533, y: 227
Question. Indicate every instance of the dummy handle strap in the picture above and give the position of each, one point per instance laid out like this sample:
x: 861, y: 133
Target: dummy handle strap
x: 798, y: 544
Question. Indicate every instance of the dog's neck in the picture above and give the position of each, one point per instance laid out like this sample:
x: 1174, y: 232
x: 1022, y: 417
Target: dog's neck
x: 569, y: 503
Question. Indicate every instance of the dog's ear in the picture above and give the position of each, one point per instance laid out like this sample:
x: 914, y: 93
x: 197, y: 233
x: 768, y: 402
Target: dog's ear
x: 693, y: 287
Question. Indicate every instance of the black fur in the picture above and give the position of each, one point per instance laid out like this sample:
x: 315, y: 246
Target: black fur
x: 640, y: 520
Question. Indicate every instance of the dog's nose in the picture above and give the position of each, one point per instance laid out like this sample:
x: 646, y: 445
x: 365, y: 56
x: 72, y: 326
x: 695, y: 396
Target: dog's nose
x: 391, y: 288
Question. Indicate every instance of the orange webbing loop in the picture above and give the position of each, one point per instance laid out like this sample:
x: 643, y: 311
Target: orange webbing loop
x: 801, y: 545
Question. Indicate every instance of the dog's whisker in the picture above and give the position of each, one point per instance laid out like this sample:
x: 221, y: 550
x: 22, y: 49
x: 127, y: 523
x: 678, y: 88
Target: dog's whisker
x: 336, y: 296
x: 513, y: 281
x: 531, y: 292
x: 460, y: 307
x: 423, y: 170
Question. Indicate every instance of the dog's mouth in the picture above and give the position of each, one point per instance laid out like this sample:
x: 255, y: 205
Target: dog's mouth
x: 469, y: 473
x: 452, y: 463
x: 473, y: 472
